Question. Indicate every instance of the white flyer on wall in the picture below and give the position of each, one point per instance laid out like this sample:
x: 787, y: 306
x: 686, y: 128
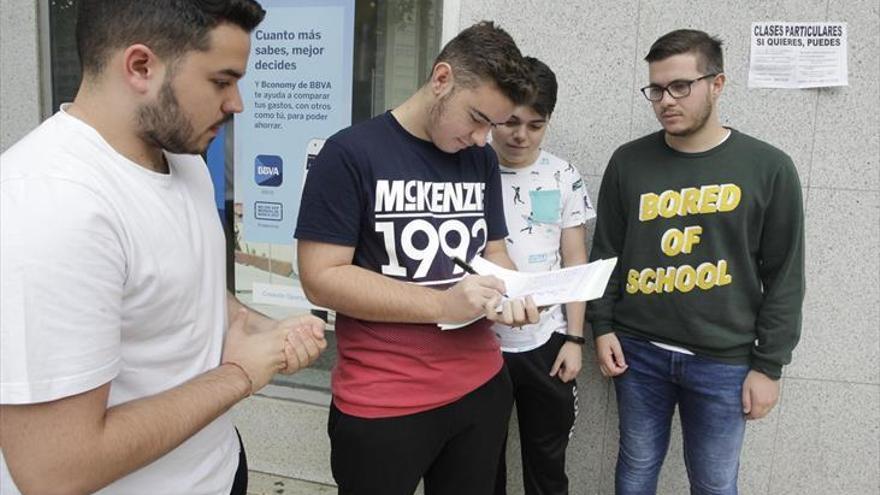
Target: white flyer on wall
x: 798, y: 55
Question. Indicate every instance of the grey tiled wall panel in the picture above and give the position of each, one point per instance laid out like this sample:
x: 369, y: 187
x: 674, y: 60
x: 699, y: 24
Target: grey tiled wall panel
x: 841, y: 329
x: 847, y: 142
x: 828, y: 439
x: 20, y: 87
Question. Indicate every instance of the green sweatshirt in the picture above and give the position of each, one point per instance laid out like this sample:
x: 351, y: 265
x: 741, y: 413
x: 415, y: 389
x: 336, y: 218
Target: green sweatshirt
x: 710, y: 249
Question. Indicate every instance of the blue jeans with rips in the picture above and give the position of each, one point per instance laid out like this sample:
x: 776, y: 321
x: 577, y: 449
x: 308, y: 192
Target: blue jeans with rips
x: 709, y: 397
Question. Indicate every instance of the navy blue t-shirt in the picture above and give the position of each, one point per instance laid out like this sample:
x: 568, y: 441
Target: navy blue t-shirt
x: 404, y: 205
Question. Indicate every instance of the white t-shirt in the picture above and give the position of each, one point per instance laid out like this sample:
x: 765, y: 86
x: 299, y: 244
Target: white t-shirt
x: 110, y: 272
x: 539, y: 201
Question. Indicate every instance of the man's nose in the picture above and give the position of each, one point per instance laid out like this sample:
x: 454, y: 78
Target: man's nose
x: 233, y: 103
x: 666, y: 99
x: 480, y: 136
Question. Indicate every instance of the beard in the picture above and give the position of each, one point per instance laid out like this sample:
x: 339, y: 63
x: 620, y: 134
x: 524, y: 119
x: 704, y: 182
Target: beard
x: 699, y: 121
x: 438, y: 110
x: 441, y: 128
x: 164, y: 125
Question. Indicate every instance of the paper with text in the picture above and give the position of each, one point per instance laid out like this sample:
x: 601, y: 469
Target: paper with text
x: 798, y: 55
x: 572, y: 284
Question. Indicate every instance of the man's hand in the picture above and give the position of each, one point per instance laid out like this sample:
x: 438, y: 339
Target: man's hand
x: 514, y: 312
x: 610, y: 355
x: 477, y: 295
x: 568, y: 362
x: 468, y: 298
x: 262, y: 354
x: 759, y: 394
x: 305, y: 341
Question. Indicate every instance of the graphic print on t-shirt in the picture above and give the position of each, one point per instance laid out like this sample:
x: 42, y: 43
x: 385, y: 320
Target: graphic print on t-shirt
x: 695, y: 201
x: 424, y: 224
x: 517, y: 199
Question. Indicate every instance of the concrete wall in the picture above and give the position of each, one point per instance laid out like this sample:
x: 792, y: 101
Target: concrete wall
x: 19, y: 70
x: 823, y: 436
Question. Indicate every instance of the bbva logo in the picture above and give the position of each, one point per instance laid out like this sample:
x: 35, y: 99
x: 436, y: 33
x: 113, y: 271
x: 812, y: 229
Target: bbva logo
x: 268, y: 170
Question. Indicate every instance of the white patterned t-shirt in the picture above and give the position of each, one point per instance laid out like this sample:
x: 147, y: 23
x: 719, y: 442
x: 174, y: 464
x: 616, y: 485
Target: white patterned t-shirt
x: 539, y: 202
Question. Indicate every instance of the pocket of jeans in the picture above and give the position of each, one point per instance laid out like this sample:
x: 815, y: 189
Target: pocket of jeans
x: 631, y: 341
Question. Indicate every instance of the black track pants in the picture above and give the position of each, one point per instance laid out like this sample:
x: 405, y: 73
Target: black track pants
x: 546, y: 409
x: 454, y: 447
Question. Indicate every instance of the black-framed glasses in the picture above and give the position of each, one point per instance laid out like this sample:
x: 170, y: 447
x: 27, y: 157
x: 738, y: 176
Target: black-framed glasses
x: 676, y: 89
x: 482, y: 119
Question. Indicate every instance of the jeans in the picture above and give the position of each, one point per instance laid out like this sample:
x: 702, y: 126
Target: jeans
x: 709, y: 398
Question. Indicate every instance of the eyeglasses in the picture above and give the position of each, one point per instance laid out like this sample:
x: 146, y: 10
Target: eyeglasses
x: 481, y: 119
x: 676, y: 89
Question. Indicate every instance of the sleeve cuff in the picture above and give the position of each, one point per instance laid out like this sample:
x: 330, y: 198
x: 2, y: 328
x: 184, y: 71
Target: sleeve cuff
x: 601, y: 328
x: 772, y: 370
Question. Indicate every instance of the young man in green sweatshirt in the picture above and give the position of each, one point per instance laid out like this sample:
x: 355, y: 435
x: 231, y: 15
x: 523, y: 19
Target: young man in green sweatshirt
x: 705, y: 306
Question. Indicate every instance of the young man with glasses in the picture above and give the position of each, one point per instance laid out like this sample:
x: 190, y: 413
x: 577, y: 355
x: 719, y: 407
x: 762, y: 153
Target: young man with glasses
x: 705, y: 306
x: 386, y: 207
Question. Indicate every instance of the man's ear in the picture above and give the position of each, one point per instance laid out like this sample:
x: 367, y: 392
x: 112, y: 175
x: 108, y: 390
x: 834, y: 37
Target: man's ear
x: 442, y: 79
x: 142, y: 69
x: 718, y: 84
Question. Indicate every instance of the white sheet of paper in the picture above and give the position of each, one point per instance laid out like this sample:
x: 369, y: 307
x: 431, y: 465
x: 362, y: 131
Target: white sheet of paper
x: 453, y: 326
x: 576, y: 283
x: 798, y: 55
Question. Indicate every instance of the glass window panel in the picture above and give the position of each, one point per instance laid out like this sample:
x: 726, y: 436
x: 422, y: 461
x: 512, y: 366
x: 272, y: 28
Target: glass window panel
x: 64, y: 59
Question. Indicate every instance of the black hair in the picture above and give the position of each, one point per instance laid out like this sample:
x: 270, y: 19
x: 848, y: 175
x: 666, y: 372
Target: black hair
x: 169, y: 27
x: 707, y: 48
x: 486, y: 53
x: 545, y: 86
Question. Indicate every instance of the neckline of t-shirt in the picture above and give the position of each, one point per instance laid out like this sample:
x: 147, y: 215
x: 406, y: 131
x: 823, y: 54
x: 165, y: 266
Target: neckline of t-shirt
x: 523, y: 170
x: 91, y: 132
x: 732, y: 135
x: 398, y: 127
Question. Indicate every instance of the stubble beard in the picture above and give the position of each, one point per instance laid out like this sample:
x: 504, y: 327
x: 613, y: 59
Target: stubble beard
x: 700, y: 121
x: 438, y: 109
x: 163, y: 124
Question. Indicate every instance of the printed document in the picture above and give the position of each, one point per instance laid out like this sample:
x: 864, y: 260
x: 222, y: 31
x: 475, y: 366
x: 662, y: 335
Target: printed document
x: 576, y: 283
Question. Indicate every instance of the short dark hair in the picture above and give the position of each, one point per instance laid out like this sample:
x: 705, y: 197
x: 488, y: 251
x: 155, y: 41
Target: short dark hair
x: 545, y: 87
x: 486, y: 53
x: 169, y: 27
x: 707, y: 48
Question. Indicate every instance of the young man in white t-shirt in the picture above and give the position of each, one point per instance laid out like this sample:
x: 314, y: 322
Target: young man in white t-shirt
x: 546, y: 207
x: 116, y: 366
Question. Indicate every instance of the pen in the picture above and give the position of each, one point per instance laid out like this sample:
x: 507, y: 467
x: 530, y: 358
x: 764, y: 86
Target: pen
x: 464, y: 266
x: 468, y: 268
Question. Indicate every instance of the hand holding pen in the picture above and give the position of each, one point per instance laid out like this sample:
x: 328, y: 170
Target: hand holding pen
x: 469, y: 269
x: 483, y: 294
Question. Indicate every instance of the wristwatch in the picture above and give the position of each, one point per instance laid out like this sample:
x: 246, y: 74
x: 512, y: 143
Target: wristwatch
x: 577, y: 339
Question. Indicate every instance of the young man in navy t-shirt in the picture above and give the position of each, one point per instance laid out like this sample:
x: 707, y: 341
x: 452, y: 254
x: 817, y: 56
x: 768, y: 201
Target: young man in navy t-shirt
x: 386, y: 206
